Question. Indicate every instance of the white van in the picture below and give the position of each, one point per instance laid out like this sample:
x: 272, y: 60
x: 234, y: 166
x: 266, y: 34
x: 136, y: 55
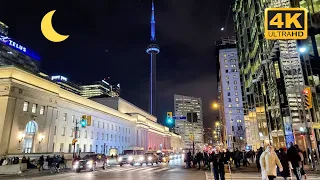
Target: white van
x: 131, y: 156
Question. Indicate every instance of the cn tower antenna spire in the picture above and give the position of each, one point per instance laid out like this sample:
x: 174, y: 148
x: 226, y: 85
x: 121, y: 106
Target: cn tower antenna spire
x: 153, y: 23
x: 153, y: 49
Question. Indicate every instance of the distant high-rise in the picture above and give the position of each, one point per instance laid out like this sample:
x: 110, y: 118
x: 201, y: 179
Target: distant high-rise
x: 66, y: 84
x: 3, y: 29
x: 100, y: 88
x: 153, y: 49
x: 189, y: 120
x: 230, y: 96
x: 13, y: 53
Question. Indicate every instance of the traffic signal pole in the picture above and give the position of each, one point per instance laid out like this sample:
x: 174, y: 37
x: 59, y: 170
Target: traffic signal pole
x: 75, y: 137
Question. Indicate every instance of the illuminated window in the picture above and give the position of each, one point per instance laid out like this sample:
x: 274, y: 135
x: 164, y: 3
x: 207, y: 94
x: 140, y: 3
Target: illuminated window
x: 234, y: 76
x: 238, y: 110
x: 226, y: 66
x: 237, y: 99
x: 237, y: 105
x: 229, y: 105
x: 227, y: 77
x: 235, y: 88
x: 34, y: 108
x: 235, y: 82
x: 41, y: 110
x: 228, y: 88
x: 25, y: 106
x: 225, y: 60
x: 225, y: 55
x: 236, y: 93
x: 276, y: 67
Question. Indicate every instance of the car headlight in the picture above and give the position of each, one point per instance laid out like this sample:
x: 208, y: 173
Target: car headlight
x: 90, y: 162
x: 130, y: 158
x: 120, y: 159
x: 149, y: 158
x: 141, y: 158
x: 76, y: 163
x: 164, y: 159
x: 176, y: 156
x: 171, y: 157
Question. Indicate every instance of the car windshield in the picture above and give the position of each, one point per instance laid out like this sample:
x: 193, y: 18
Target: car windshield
x: 139, y: 152
x: 90, y: 157
x: 128, y: 152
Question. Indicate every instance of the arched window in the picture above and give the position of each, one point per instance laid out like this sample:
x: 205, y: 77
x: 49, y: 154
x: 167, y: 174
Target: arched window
x: 31, y: 127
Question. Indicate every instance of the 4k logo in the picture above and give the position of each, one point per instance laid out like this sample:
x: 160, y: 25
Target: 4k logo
x: 286, y: 23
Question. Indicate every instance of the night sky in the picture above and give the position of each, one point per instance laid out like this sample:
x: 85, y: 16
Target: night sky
x: 185, y: 30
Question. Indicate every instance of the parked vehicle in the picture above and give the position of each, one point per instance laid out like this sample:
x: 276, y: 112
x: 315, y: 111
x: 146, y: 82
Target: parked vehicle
x: 91, y: 162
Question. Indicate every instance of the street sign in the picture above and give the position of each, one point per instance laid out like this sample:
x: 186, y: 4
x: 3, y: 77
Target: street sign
x: 179, y: 117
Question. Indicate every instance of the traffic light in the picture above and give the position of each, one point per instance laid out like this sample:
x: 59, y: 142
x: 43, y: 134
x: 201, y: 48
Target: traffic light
x: 83, y: 121
x: 307, y: 97
x: 169, y: 118
x: 89, y: 120
x: 74, y: 141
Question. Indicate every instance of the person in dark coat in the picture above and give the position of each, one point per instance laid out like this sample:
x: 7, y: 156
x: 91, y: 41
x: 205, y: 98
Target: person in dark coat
x: 41, y: 162
x: 237, y: 157
x: 218, y: 165
x: 199, y: 159
x: 283, y: 157
x: 258, y: 158
x: 294, y: 158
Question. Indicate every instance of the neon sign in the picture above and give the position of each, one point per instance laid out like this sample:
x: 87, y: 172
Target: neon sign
x: 10, y: 42
x: 59, y: 78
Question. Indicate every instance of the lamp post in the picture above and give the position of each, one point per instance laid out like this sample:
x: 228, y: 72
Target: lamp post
x: 305, y: 54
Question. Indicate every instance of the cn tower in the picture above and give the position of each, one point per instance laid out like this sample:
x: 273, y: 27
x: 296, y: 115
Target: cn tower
x: 153, y: 49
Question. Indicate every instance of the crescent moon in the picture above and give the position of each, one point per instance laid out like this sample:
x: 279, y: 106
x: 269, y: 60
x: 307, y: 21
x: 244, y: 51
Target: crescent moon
x: 48, y: 30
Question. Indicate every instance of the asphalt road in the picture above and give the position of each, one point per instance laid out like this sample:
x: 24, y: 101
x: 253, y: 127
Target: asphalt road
x: 172, y: 171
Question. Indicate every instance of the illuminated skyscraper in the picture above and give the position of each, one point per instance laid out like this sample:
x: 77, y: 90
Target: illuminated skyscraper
x: 153, y: 49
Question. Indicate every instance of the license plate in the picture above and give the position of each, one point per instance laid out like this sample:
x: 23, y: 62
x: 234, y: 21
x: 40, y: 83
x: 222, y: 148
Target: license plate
x: 81, y: 166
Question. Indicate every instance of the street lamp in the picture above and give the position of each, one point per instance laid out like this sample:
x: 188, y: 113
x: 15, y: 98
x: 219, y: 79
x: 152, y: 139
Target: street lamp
x: 41, y: 138
x: 302, y: 49
x: 22, y: 135
x: 215, y: 105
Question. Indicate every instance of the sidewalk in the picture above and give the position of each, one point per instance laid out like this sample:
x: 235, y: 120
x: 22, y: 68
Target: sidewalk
x: 33, y: 173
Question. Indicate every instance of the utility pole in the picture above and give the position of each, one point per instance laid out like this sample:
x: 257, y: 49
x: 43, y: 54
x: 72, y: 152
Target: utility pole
x: 75, y: 138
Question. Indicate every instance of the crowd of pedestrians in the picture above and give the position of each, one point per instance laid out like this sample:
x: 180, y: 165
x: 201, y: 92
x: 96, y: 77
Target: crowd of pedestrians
x: 270, y: 162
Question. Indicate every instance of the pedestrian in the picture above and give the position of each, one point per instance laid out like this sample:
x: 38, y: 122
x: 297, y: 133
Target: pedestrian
x: 259, y: 152
x: 228, y: 156
x: 294, y: 159
x: 218, y: 165
x: 301, y: 163
x: 41, y: 162
x: 199, y: 157
x: 63, y: 163
x: 189, y: 158
x: 283, y: 157
x: 269, y: 162
x: 237, y: 157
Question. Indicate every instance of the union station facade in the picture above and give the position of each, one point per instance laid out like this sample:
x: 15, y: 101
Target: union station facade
x: 37, y: 116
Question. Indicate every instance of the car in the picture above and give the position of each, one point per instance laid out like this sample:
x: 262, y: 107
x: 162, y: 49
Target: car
x: 151, y: 158
x: 132, y: 156
x: 90, y: 162
x: 165, y: 158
